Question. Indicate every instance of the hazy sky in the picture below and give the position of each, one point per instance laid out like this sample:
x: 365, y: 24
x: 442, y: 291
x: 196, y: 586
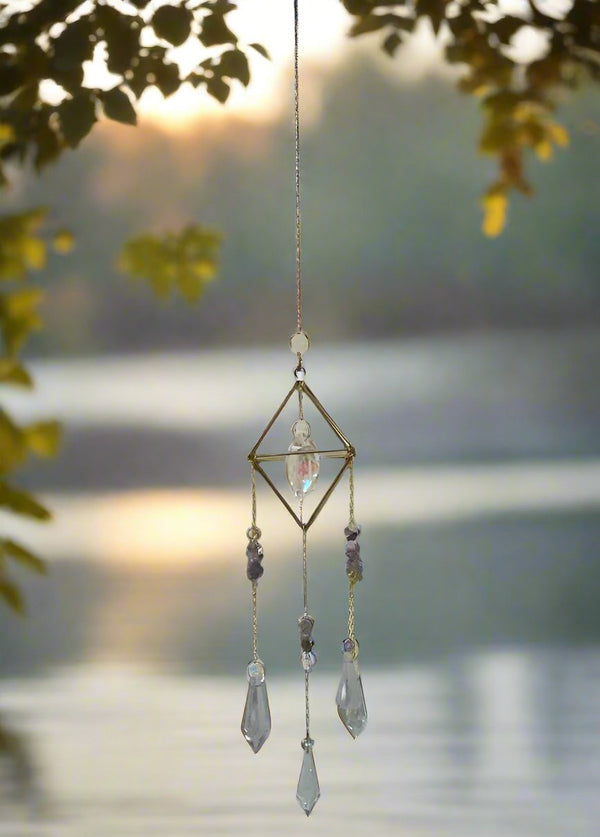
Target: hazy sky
x: 323, y: 39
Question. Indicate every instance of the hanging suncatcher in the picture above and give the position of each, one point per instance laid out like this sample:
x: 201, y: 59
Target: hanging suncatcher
x: 301, y: 464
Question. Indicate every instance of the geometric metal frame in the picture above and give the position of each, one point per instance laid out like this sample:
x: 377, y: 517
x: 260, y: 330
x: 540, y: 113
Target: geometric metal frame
x: 346, y: 452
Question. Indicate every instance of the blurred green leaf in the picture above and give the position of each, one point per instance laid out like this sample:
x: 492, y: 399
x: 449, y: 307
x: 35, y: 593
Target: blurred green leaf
x: 23, y: 556
x: 12, y: 595
x: 234, y: 64
x: 185, y: 261
x: 22, y: 502
x: 218, y: 89
x: 77, y: 116
x: 173, y: 24
x: 261, y: 50
x: 117, y: 106
x: 12, y: 372
x: 43, y: 438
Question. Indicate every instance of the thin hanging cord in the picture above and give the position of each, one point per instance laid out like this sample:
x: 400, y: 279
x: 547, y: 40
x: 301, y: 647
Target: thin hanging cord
x: 254, y: 584
x: 305, y: 593
x: 297, y: 170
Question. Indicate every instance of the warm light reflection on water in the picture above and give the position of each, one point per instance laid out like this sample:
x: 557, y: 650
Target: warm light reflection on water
x: 189, y: 527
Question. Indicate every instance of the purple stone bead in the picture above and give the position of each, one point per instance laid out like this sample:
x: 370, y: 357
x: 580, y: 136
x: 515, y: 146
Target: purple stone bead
x: 254, y: 570
x: 354, y: 568
x: 352, y: 534
x: 352, y: 548
x: 307, y: 642
x: 254, y: 551
x: 306, y: 624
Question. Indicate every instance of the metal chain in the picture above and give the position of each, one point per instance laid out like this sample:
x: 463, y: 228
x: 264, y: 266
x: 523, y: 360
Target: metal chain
x: 253, y: 493
x: 254, y: 623
x: 352, y: 522
x: 304, y: 559
x: 352, y: 525
x: 307, y: 704
x: 351, y: 611
x: 297, y: 174
x: 254, y: 583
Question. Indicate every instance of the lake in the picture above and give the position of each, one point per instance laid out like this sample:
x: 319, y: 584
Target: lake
x: 478, y: 485
x: 504, y: 743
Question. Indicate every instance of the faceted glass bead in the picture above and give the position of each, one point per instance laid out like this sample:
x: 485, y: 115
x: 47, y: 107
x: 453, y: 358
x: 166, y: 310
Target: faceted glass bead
x: 308, y: 791
x: 256, y: 720
x: 350, y: 698
x: 302, y: 468
x: 308, y: 660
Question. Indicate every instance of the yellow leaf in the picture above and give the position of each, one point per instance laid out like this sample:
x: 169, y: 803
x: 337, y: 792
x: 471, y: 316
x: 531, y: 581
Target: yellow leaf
x: 544, y: 150
x: 34, y: 251
x: 559, y: 134
x: 43, y: 438
x: 495, y: 206
x: 7, y: 133
x: 63, y: 241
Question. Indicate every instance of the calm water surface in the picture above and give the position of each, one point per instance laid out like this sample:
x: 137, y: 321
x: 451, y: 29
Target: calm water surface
x: 504, y: 743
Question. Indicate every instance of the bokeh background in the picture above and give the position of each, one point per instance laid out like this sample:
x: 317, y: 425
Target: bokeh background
x: 465, y: 371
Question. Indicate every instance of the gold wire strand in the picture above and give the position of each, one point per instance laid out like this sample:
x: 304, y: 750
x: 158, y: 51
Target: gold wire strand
x: 297, y: 173
x: 352, y: 522
x: 254, y: 583
x: 307, y: 704
x: 351, y: 610
x: 253, y: 494
x: 254, y: 623
x: 304, y: 558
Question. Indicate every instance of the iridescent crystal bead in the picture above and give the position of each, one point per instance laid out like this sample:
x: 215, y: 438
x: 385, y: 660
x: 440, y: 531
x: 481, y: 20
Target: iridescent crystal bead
x: 303, y: 464
x: 350, y: 697
x: 256, y: 720
x: 308, y: 791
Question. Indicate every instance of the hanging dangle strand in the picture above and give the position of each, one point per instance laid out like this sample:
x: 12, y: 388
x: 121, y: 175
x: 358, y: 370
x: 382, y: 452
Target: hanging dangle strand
x: 302, y: 466
x: 308, y: 790
x: 299, y: 342
x: 350, y: 697
x: 256, y: 720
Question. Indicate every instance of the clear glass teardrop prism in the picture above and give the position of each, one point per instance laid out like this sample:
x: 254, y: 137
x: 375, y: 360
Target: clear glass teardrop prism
x: 302, y: 467
x: 308, y: 791
x: 256, y: 720
x: 350, y: 698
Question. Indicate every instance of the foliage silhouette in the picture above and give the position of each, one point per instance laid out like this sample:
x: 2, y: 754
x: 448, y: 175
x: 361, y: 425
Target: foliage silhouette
x: 518, y: 97
x: 47, y: 106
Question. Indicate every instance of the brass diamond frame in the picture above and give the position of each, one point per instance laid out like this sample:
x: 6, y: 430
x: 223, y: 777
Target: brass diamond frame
x: 347, y: 452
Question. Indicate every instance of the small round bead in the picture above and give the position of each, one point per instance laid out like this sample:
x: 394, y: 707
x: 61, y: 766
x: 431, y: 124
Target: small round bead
x: 307, y: 744
x: 300, y: 373
x: 350, y: 649
x: 256, y: 672
x: 253, y: 533
x: 299, y: 343
x: 308, y: 660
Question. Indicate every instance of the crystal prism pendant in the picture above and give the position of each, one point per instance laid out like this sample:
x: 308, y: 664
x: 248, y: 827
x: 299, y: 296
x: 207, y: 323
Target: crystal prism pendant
x: 256, y: 720
x: 350, y: 698
x: 302, y: 466
x: 308, y: 791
